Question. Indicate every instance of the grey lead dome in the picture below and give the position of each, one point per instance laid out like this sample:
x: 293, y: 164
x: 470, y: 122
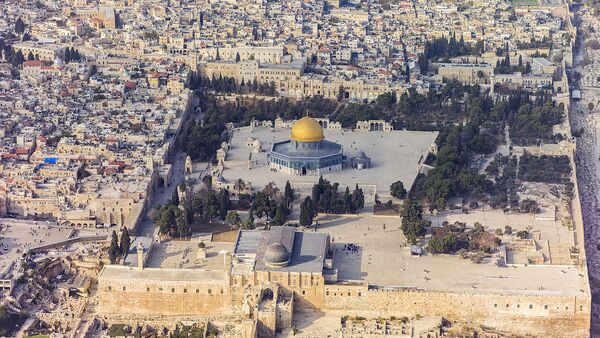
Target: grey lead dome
x: 276, y: 255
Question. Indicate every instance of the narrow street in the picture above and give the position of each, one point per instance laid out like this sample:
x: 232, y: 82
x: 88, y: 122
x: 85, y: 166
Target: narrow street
x: 162, y: 195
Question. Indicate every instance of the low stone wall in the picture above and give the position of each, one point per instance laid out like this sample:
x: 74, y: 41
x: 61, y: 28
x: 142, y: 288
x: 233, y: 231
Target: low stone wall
x: 92, y: 238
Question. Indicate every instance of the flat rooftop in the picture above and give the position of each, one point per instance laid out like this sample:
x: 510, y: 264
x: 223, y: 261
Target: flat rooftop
x: 119, y: 272
x: 384, y: 259
x: 17, y: 236
x: 307, y: 249
x: 394, y: 156
x: 182, y: 254
x: 286, y: 148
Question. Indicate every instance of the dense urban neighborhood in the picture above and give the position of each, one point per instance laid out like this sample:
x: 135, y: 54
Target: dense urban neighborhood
x: 315, y: 168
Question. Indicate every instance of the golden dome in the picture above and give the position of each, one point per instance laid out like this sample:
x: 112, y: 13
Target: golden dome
x: 307, y: 129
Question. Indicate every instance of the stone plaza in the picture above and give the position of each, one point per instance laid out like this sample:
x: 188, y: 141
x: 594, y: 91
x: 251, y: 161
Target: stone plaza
x: 395, y: 155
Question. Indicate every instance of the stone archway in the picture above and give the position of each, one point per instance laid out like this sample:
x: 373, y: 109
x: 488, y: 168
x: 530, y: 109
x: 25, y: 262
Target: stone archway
x: 376, y: 126
x: 267, y: 294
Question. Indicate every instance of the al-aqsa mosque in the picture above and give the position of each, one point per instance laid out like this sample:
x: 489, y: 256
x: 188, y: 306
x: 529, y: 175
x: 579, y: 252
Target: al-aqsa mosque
x: 306, y: 153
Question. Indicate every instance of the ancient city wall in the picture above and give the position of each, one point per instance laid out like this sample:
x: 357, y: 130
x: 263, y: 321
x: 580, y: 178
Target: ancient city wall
x: 544, y: 315
x: 171, y: 298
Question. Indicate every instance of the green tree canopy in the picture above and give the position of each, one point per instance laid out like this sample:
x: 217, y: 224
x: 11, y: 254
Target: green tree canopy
x: 397, y: 190
x: 125, y: 242
x: 113, y: 249
x: 307, y: 212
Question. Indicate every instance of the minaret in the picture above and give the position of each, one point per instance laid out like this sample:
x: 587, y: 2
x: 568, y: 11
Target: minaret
x: 140, y: 256
x: 193, y: 54
x: 227, y: 262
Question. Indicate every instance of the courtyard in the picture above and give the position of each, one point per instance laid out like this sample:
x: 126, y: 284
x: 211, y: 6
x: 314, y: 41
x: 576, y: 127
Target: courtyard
x: 395, y: 155
x: 384, y: 259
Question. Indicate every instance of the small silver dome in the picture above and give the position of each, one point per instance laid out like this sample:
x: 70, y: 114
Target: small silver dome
x: 276, y: 255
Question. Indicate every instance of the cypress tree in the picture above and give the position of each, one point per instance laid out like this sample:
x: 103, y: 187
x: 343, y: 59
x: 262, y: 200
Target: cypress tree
x: 175, y: 197
x: 19, y: 26
x: 288, y: 193
x: 74, y: 54
x: 113, y: 249
x: 306, y: 212
x: 340, y: 94
x: 223, y: 204
x: 347, y: 201
x: 279, y: 218
x: 67, y: 55
x: 125, y: 242
x: 358, y: 198
x: 182, y: 223
x: 19, y: 58
x: 251, y: 216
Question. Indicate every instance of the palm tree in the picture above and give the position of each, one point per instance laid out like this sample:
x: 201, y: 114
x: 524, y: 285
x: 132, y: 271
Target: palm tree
x: 239, y: 185
x: 271, y: 189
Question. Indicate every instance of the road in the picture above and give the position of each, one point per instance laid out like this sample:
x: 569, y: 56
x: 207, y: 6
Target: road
x: 586, y: 160
x: 162, y: 195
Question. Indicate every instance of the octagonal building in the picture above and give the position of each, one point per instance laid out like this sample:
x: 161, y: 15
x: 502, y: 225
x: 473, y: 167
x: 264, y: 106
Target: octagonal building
x: 306, y: 153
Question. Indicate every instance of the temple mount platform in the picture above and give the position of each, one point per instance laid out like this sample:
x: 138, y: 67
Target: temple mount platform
x: 393, y: 155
